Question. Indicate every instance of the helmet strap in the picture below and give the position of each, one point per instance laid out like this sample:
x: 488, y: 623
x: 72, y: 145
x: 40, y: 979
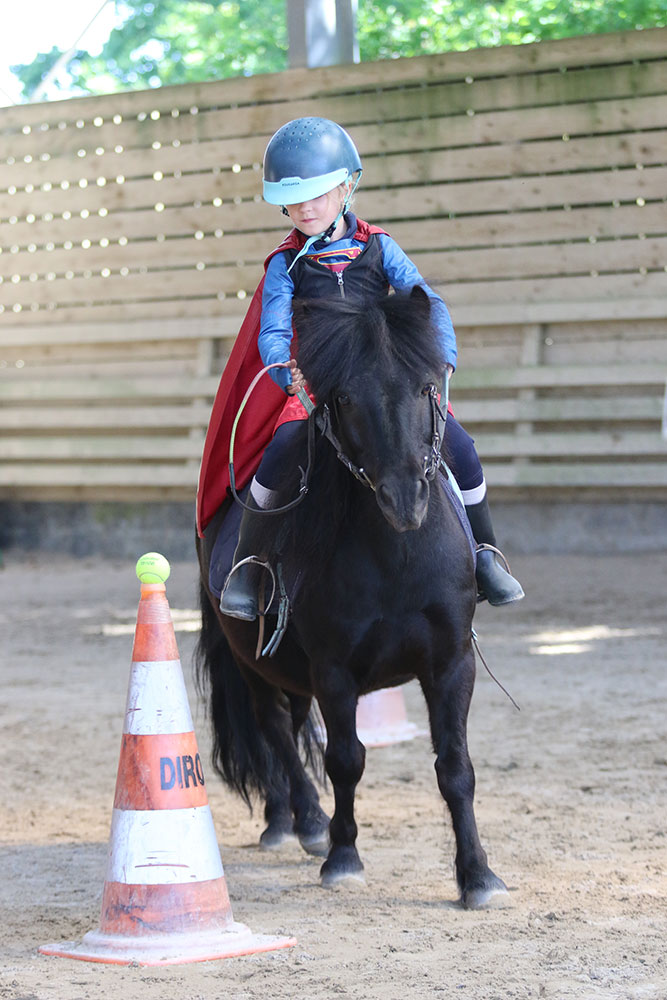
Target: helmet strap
x: 328, y: 233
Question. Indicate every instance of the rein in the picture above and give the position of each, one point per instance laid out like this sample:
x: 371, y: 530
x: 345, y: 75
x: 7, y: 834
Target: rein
x: 305, y: 473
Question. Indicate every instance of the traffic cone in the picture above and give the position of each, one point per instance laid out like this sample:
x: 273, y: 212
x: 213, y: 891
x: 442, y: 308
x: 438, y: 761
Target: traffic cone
x: 165, y: 899
x: 382, y: 718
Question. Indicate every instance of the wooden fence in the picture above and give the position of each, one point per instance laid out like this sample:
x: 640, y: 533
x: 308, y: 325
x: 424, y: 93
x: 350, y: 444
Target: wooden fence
x: 528, y: 183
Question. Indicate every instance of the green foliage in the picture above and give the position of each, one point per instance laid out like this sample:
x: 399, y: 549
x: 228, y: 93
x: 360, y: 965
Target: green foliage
x: 176, y: 41
x: 419, y: 27
x: 183, y: 41
x: 32, y: 73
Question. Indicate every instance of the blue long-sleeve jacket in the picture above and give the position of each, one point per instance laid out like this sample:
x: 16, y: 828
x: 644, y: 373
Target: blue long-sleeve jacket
x: 275, y: 334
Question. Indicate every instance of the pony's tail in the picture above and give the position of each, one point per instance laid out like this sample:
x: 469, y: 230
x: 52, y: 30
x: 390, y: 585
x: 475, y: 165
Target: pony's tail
x: 241, y: 755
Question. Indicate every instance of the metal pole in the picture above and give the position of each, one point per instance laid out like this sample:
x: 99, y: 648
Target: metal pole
x: 322, y: 32
x: 296, y: 33
x: 346, y: 31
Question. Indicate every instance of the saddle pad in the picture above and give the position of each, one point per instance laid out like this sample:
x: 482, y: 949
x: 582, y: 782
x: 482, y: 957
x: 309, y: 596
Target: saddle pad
x: 222, y: 555
x: 453, y: 494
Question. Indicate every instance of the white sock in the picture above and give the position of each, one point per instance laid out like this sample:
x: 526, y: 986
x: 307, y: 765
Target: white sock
x: 471, y: 497
x: 262, y: 496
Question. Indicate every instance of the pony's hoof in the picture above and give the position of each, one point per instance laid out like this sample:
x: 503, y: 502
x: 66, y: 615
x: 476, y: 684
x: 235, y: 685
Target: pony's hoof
x: 490, y: 897
x: 349, y: 881
x: 344, y: 870
x: 273, y: 840
x: 312, y: 829
x: 317, y: 844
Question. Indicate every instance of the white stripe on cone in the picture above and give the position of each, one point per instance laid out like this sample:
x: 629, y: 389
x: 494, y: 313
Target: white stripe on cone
x: 157, y: 700
x: 163, y: 847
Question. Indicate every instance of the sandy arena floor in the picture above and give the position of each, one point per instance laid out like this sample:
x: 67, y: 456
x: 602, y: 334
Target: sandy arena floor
x: 571, y: 804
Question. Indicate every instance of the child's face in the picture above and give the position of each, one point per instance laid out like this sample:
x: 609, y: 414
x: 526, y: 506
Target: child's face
x: 315, y: 216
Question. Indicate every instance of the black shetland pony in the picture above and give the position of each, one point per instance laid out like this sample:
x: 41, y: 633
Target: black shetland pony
x: 385, y: 592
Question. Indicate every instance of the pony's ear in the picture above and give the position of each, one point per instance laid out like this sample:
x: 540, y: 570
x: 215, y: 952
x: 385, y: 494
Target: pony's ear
x: 420, y: 301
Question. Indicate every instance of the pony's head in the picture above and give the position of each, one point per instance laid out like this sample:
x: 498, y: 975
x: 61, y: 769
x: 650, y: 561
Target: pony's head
x: 374, y: 367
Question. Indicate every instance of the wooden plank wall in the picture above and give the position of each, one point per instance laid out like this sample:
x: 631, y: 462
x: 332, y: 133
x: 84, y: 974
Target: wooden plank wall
x: 528, y: 183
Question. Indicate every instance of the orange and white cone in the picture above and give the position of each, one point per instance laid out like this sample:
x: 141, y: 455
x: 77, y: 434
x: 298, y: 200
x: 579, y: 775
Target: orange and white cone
x: 165, y: 897
x: 382, y: 718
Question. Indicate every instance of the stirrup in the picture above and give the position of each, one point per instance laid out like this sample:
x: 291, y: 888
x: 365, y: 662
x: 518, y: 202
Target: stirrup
x: 248, y: 560
x: 284, y: 607
x: 505, y: 589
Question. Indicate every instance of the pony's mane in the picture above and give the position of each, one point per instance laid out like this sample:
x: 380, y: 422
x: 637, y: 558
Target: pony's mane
x: 338, y: 339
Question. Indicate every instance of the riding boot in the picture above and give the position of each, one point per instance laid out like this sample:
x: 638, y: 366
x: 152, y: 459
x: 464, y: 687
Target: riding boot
x: 494, y: 583
x: 239, y: 598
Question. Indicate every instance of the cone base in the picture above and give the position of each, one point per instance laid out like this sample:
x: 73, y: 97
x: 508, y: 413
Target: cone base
x: 168, y: 949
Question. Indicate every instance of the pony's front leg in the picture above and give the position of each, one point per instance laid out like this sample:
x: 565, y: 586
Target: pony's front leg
x: 448, y: 700
x: 344, y: 761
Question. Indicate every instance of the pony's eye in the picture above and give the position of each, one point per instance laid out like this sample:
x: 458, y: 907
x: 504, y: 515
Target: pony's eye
x: 343, y: 398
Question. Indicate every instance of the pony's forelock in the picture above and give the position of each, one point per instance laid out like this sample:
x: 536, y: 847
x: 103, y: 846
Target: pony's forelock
x: 338, y: 340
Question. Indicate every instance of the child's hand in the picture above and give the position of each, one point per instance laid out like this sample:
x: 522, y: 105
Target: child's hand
x: 298, y: 381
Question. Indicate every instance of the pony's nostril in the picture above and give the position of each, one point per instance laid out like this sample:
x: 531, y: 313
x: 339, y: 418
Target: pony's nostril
x: 384, y: 495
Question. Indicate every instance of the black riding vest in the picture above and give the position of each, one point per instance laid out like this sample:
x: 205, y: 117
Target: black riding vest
x: 362, y: 279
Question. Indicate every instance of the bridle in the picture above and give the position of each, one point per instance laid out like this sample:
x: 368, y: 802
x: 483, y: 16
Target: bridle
x: 322, y: 420
x: 326, y: 429
x: 433, y: 460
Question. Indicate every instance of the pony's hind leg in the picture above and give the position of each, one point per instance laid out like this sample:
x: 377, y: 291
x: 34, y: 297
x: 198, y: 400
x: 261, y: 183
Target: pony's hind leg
x: 292, y: 804
x: 279, y: 819
x: 285, y: 824
x: 344, y: 760
x: 311, y: 823
x: 448, y: 700
x: 306, y: 820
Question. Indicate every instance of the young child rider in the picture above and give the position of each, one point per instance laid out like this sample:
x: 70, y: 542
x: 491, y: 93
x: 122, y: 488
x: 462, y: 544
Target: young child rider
x: 311, y: 169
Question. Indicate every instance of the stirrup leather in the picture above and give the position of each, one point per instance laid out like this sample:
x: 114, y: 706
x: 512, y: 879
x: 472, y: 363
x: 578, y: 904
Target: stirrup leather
x: 284, y: 607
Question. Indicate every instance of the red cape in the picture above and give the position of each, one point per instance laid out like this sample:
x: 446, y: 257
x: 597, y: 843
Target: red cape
x: 256, y: 427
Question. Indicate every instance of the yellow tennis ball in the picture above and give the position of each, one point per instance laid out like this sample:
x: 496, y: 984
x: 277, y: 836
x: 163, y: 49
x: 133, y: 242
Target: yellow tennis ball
x: 153, y: 568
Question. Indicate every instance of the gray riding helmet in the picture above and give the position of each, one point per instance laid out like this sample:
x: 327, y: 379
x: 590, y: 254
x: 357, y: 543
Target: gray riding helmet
x: 306, y: 158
